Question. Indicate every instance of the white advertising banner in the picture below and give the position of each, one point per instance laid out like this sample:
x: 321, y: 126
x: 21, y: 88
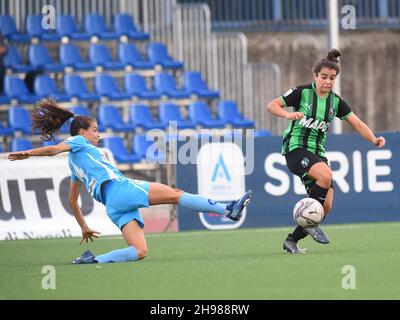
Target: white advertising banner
x: 34, y: 201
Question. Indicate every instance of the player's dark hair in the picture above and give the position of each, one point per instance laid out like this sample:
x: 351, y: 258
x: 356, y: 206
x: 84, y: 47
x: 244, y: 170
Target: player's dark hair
x: 49, y: 117
x: 330, y: 62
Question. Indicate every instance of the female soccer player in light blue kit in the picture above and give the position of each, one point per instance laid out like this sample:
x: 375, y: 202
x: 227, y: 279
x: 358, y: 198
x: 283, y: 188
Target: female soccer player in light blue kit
x: 121, y: 196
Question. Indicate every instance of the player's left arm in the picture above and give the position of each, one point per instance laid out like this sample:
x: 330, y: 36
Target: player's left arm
x: 39, y: 152
x: 365, y: 131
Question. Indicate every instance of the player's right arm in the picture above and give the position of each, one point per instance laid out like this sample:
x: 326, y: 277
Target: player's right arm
x: 42, y: 151
x: 276, y: 107
x: 74, y: 190
x: 291, y: 98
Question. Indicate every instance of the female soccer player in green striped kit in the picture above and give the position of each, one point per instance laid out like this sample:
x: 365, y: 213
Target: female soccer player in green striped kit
x: 314, y: 107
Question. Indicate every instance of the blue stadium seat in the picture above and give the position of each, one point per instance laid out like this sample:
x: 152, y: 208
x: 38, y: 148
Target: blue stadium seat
x: 129, y: 55
x: 50, y: 143
x: 35, y: 29
x: 19, y: 119
x: 200, y: 113
x: 106, y: 86
x: 71, y: 57
x: 194, y: 84
x: 120, y: 152
x: 75, y: 86
x: 15, y: 88
x: 1, y: 148
x: 9, y: 30
x: 140, y: 116
x: 228, y: 111
x: 158, y: 54
x: 14, y: 61
x: 262, y: 133
x: 135, y: 85
x: 124, y: 26
x: 99, y: 55
x: 40, y: 58
x: 96, y: 26
x: 141, y: 148
x: 109, y: 117
x: 46, y: 87
x: 67, y: 27
x: 169, y: 112
x: 164, y: 83
x: 5, y: 131
x: 4, y: 99
x: 19, y: 144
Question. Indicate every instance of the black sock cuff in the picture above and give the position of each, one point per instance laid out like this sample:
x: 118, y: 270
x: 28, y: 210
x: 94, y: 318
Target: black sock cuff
x: 318, y: 193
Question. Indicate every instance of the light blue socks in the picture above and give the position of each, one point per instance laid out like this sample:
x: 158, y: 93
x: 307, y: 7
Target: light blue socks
x: 197, y: 203
x: 120, y: 255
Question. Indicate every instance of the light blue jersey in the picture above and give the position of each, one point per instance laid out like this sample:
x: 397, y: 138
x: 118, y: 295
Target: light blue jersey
x: 89, y: 165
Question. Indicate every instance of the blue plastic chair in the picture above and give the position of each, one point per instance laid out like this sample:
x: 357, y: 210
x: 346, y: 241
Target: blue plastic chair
x: 46, y: 87
x: 164, y: 83
x: 118, y: 149
x: 124, y: 26
x: 96, y: 26
x: 19, y: 144
x: 14, y: 61
x: 169, y: 112
x: 15, y: 88
x: 141, y: 148
x: 262, y: 133
x: 50, y: 143
x: 136, y: 85
x: 67, y: 27
x: 99, y: 55
x: 35, y: 29
x: 19, y: 119
x: 5, y: 131
x: 158, y: 54
x: 200, y: 113
x: 9, y: 30
x: 40, y: 58
x: 70, y: 57
x: 75, y: 86
x: 140, y: 116
x: 106, y: 86
x: 109, y: 117
x: 194, y: 84
x: 228, y: 111
x: 129, y: 55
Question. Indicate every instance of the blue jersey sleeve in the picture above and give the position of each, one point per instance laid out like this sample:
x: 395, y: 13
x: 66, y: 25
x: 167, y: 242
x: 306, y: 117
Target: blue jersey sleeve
x: 76, y: 143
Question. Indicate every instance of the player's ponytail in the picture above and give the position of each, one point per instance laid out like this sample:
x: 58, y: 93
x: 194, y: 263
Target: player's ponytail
x: 330, y: 62
x: 49, y: 117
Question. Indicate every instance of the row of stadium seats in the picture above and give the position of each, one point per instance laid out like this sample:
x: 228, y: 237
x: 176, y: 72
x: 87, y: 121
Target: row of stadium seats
x: 99, y: 57
x: 140, y: 116
x: 135, y: 86
x: 66, y: 27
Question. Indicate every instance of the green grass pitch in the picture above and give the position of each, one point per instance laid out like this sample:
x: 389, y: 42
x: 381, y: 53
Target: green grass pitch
x: 238, y: 264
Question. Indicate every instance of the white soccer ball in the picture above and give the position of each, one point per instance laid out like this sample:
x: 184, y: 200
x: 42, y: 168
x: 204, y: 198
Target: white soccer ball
x: 308, y: 212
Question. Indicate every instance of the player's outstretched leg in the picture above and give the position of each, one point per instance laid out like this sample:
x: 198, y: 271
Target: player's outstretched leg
x: 235, y: 208
x: 85, y: 258
x: 317, y: 234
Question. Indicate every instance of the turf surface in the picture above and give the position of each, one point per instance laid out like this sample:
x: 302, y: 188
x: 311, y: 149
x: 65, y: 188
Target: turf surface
x: 240, y: 264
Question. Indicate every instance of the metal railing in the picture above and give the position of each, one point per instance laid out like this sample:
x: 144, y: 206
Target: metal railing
x: 296, y: 14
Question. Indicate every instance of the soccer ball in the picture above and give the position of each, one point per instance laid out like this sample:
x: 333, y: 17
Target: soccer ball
x: 308, y: 212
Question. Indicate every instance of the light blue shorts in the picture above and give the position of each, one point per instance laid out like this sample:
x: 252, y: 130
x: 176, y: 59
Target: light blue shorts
x: 123, y: 197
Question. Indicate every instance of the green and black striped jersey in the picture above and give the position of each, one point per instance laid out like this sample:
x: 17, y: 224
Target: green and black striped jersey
x: 310, y: 132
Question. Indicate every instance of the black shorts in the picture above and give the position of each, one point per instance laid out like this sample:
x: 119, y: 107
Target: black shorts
x: 300, y: 161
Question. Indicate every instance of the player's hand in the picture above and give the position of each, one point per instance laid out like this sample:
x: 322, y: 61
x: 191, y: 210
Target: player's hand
x: 18, y: 155
x: 295, y: 116
x: 380, y: 142
x: 88, y: 233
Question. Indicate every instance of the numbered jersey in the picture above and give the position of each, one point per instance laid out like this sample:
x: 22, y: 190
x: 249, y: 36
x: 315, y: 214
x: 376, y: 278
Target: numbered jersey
x: 89, y: 165
x: 310, y: 131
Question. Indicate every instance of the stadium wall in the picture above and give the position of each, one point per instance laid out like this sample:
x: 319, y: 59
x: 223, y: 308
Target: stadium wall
x: 370, y: 68
x: 367, y: 188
